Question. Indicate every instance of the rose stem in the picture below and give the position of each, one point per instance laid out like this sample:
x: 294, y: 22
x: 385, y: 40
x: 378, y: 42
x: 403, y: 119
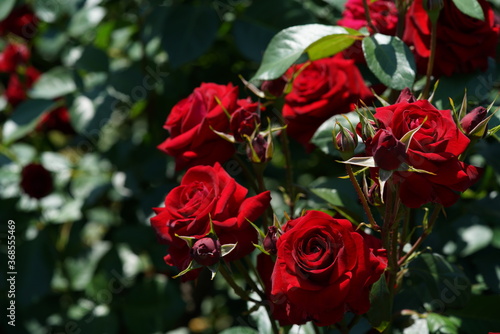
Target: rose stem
x: 368, y: 18
x: 237, y: 289
x: 249, y: 279
x: 250, y: 264
x: 362, y: 198
x: 248, y: 174
x: 259, y: 174
x: 404, y: 232
x: 424, y: 235
x: 285, y: 143
x: 430, y: 64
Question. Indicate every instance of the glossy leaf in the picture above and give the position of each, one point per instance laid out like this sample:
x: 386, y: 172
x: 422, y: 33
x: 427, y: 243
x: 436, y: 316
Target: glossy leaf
x: 25, y: 119
x: 54, y: 83
x: 288, y: 45
x: 390, y: 60
x: 6, y: 7
x: 471, y: 8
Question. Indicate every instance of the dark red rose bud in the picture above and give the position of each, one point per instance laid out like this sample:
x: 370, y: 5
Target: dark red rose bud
x: 21, y: 22
x: 387, y: 150
x: 36, y: 181
x: 473, y: 118
x: 274, y: 87
x: 346, y: 142
x: 406, y: 96
x: 258, y: 152
x: 269, y: 242
x: 206, y: 251
x: 244, y: 121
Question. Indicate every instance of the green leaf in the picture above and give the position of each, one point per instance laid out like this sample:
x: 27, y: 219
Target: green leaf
x: 390, y: 60
x: 25, y: 118
x: 331, y: 196
x: 54, y: 83
x: 476, y: 237
x: 441, y: 324
x: 438, y: 284
x: 471, y: 8
x: 189, y: 31
x: 288, y: 45
x: 85, y: 21
x: 332, y: 44
x: 239, y: 330
x: 82, y: 112
x: 379, y: 314
x: 6, y: 7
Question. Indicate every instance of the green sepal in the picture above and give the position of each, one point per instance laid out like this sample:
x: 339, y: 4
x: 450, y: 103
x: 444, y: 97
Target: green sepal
x: 192, y: 265
x: 227, y: 248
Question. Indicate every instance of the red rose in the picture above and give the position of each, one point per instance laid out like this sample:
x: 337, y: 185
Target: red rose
x: 388, y: 152
x: 383, y: 14
x: 463, y: 43
x: 19, y: 84
x: 435, y: 148
x: 21, y: 22
x: 192, y: 141
x: 323, y: 269
x: 58, y: 119
x: 473, y: 118
x: 13, y: 55
x: 324, y: 88
x: 208, y: 193
x: 206, y: 251
x: 36, y: 181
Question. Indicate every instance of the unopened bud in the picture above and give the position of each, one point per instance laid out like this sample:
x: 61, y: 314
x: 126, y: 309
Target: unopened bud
x: 274, y: 88
x: 406, y: 96
x: 244, y: 121
x: 346, y: 142
x: 269, y: 242
x: 471, y: 121
x: 259, y: 150
x: 206, y: 251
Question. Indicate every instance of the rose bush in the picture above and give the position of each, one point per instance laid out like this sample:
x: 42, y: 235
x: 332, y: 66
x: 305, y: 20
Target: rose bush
x: 323, y: 269
x: 322, y: 89
x: 435, y: 148
x: 190, y: 123
x: 208, y: 195
x: 463, y: 43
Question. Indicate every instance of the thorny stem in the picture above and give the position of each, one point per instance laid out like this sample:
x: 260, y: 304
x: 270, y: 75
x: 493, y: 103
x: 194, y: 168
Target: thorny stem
x: 424, y: 235
x: 362, y: 198
x: 237, y: 289
x: 368, y: 18
x: 249, y: 279
x: 289, y: 170
x: 430, y: 64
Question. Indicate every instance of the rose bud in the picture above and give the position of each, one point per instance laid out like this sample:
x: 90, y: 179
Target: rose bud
x: 260, y: 150
x: 346, y: 142
x: 244, y: 121
x: 274, y: 87
x: 472, y: 120
x: 269, y: 242
x: 406, y: 96
x: 36, y: 181
x: 206, y: 251
x: 387, y: 150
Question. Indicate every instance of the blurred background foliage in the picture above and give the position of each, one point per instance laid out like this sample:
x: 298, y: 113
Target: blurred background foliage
x: 87, y: 260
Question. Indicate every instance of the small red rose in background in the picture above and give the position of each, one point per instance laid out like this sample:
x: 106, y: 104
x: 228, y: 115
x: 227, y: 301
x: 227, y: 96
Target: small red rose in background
x: 324, y: 88
x: 192, y: 141
x: 21, y: 22
x: 434, y: 148
x: 208, y: 193
x: 245, y: 119
x: 19, y: 84
x: 12, y: 56
x: 384, y: 17
x: 36, y: 181
x: 58, y: 119
x: 463, y: 43
x: 323, y: 269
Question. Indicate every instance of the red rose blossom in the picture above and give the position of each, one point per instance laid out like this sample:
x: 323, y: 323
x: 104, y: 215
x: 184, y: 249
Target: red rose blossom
x: 36, y: 181
x: 208, y: 193
x: 13, y: 55
x: 245, y: 119
x: 192, y: 141
x: 58, y: 119
x: 21, y: 22
x: 19, y: 84
x: 463, y: 43
x: 434, y: 148
x: 384, y: 17
x: 323, y: 269
x: 324, y: 88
